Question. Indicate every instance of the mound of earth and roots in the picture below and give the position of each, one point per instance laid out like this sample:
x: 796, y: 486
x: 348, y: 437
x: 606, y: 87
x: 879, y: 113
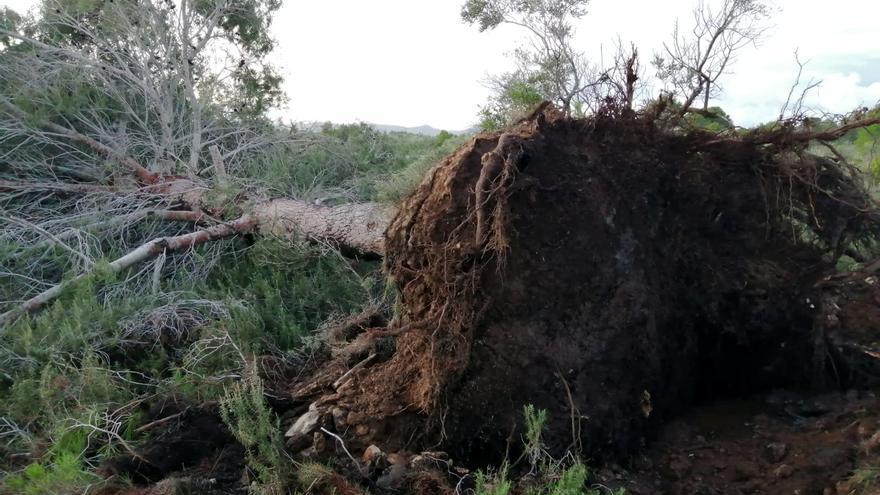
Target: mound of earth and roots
x: 622, y: 275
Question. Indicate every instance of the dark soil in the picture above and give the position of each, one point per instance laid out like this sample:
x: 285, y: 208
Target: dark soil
x: 189, y: 449
x: 779, y: 443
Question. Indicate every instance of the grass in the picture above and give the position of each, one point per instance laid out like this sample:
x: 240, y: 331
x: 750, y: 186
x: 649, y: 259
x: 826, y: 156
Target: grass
x: 865, y: 478
x: 547, y: 476
x: 244, y: 410
x: 63, y: 470
x: 350, y: 163
x: 74, y: 365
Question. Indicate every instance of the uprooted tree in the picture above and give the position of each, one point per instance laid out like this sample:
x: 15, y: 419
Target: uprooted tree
x: 609, y: 270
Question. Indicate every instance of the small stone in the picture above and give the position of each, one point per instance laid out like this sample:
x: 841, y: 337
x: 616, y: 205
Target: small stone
x: 372, y: 453
x: 392, y: 477
x: 375, y: 459
x: 306, y: 424
x: 339, y: 418
x: 775, y: 451
x: 872, y: 444
x: 397, y: 458
x: 784, y: 471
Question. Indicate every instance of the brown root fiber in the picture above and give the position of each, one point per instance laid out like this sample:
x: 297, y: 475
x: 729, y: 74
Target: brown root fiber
x: 605, y: 270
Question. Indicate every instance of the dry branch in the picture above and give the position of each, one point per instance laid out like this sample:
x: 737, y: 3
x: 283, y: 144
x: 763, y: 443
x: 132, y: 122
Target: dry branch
x: 785, y: 136
x: 357, y: 228
x: 142, y: 174
x: 146, y: 251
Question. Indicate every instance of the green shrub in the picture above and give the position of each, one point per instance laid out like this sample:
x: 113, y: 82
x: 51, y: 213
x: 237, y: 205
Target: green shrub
x: 535, y: 420
x: 394, y: 187
x: 571, y: 482
x: 287, y: 290
x: 865, y: 477
x: 62, y: 472
x: 493, y: 483
x: 245, y: 412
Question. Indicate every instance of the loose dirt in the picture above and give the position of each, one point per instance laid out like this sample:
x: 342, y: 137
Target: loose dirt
x: 778, y: 443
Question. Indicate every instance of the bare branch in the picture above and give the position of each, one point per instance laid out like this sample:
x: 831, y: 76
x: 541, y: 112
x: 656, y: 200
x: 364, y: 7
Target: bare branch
x: 144, y: 252
x: 693, y: 64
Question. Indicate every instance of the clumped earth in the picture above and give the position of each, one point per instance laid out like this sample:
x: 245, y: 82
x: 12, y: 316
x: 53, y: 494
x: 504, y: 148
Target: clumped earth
x: 781, y: 442
x: 628, y: 279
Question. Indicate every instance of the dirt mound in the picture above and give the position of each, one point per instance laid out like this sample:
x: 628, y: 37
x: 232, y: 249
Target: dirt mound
x: 780, y: 443
x: 189, y: 448
x: 605, y: 270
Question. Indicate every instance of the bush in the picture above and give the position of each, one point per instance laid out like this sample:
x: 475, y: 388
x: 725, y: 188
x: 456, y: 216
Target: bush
x: 62, y: 472
x: 245, y: 412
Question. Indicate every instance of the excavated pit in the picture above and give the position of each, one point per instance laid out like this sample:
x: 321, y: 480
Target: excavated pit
x: 604, y: 270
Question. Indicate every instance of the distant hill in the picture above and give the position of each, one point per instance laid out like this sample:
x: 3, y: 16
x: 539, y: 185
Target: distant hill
x: 424, y: 130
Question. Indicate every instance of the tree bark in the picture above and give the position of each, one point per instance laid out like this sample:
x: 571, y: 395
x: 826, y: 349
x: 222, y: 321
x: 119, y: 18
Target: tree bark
x: 355, y: 228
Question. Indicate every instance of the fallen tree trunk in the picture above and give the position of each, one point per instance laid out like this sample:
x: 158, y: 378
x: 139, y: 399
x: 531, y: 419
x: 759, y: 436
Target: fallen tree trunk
x: 355, y: 228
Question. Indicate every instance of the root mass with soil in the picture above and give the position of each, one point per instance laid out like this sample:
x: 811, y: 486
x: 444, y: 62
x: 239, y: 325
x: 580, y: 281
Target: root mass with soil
x: 604, y: 269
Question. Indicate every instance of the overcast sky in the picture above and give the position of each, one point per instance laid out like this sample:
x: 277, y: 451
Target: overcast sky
x: 412, y: 62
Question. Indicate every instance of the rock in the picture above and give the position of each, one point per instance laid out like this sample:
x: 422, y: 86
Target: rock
x: 300, y: 433
x: 392, y: 477
x: 783, y: 471
x: 775, y: 452
x: 340, y: 418
x: 372, y: 453
x: 872, y: 444
x: 429, y: 460
x: 375, y: 459
x: 305, y: 425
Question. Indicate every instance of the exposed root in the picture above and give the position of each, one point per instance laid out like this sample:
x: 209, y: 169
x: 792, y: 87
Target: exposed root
x: 607, y: 270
